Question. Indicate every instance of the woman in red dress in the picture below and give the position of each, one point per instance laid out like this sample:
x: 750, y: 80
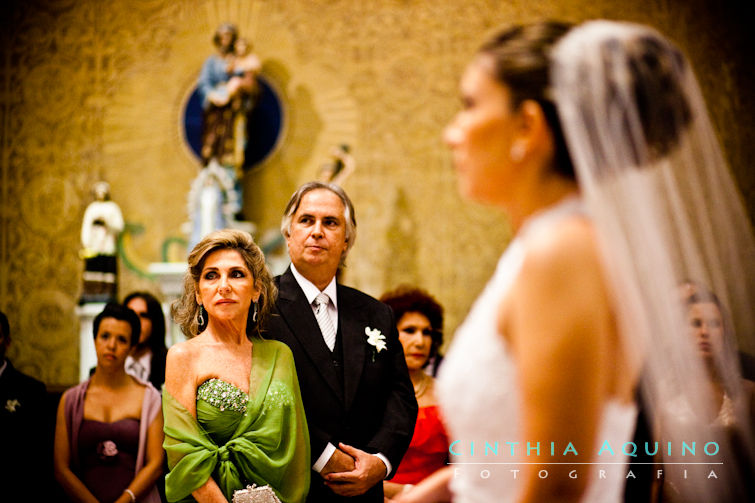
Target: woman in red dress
x: 420, y: 330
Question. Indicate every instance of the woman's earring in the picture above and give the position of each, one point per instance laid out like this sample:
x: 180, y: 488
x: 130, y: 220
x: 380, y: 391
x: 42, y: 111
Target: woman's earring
x: 517, y: 151
x: 200, y: 316
x: 254, y: 315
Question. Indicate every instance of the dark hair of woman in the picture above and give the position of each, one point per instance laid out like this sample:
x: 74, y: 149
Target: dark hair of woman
x: 155, y: 314
x: 521, y: 61
x: 408, y: 299
x: 122, y: 313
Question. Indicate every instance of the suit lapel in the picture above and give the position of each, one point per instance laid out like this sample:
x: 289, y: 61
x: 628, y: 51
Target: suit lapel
x: 298, y: 315
x: 352, y: 321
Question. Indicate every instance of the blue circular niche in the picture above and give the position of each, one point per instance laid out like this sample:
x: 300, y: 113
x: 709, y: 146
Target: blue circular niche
x: 264, y: 125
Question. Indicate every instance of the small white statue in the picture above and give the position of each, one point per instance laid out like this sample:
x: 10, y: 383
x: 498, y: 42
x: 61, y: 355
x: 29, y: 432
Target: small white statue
x: 102, y: 223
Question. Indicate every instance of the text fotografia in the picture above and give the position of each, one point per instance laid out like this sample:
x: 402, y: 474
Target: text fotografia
x: 519, y: 449
x: 601, y: 474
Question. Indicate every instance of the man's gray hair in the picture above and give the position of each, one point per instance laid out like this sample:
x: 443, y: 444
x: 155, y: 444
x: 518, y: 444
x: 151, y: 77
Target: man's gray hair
x: 349, y: 216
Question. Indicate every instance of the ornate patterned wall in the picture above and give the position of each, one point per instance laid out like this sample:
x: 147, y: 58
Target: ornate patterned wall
x: 96, y: 90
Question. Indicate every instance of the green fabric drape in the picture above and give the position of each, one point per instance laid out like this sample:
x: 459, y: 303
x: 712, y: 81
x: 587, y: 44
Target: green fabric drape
x: 270, y: 445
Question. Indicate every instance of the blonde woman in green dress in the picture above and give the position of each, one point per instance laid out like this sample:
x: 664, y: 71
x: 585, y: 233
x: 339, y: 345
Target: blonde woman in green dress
x: 233, y: 411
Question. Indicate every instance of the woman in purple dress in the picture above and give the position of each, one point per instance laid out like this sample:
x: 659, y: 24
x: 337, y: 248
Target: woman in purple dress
x: 108, y: 437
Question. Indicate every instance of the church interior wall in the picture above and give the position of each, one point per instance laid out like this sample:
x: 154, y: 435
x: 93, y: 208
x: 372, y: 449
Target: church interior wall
x: 96, y: 90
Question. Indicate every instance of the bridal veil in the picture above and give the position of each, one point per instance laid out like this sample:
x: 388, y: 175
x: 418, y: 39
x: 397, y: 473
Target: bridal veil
x: 667, y: 211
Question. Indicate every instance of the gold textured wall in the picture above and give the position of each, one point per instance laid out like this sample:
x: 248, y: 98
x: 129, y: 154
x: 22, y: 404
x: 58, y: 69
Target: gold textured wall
x: 96, y: 89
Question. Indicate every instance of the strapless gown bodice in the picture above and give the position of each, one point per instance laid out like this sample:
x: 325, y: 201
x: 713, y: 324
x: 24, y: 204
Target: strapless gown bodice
x: 107, y: 453
x: 479, y: 396
x: 220, y: 408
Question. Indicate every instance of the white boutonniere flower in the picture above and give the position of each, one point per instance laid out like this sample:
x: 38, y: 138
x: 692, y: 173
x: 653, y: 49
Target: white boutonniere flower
x: 11, y: 405
x: 375, y: 339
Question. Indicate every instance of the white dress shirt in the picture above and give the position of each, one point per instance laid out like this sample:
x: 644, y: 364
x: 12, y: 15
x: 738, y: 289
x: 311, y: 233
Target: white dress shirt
x: 139, y: 367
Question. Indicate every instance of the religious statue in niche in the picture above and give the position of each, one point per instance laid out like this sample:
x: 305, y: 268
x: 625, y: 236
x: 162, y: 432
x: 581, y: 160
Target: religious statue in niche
x: 228, y: 89
x: 102, y: 223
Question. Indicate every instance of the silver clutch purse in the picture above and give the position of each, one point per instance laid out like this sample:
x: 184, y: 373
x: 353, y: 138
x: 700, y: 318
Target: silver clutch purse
x: 255, y: 494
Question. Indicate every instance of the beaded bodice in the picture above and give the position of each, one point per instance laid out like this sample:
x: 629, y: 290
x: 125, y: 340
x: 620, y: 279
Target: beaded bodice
x: 223, y: 395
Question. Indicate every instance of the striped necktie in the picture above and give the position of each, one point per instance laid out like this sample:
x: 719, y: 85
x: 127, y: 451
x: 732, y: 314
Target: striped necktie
x: 323, y: 319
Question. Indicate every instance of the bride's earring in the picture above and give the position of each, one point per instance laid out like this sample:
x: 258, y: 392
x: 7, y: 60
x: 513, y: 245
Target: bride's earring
x: 200, y: 316
x: 517, y: 151
x: 254, y: 315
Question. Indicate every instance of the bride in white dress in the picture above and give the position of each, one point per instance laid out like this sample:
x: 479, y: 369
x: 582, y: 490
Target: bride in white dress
x: 552, y: 351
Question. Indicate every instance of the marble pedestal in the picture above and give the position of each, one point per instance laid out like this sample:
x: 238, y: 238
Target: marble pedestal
x: 170, y: 277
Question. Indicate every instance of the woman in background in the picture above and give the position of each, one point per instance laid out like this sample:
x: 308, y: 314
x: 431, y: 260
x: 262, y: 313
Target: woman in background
x: 420, y: 330
x: 233, y: 410
x: 147, y: 360
x: 711, y: 332
x: 108, y: 437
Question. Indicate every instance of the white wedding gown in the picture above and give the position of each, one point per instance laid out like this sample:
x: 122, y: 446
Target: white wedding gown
x: 479, y: 397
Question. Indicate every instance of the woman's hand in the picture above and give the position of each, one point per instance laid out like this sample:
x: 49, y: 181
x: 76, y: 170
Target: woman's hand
x: 431, y: 490
x: 392, y: 489
x: 209, y: 493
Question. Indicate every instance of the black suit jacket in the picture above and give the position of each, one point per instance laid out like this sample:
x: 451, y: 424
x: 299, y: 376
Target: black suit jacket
x: 27, y: 436
x: 375, y: 409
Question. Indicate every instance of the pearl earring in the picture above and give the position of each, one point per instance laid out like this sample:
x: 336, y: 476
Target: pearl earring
x: 517, y: 151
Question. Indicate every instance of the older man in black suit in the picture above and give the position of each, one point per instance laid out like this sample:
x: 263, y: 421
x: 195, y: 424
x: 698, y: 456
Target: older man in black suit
x: 357, y: 395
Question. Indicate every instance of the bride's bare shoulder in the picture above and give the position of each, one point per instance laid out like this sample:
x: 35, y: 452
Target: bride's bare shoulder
x: 560, y: 285
x: 562, y: 268
x: 570, y: 241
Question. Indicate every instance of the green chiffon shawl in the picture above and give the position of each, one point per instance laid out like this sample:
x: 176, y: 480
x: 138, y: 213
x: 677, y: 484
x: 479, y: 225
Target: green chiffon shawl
x: 270, y: 445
